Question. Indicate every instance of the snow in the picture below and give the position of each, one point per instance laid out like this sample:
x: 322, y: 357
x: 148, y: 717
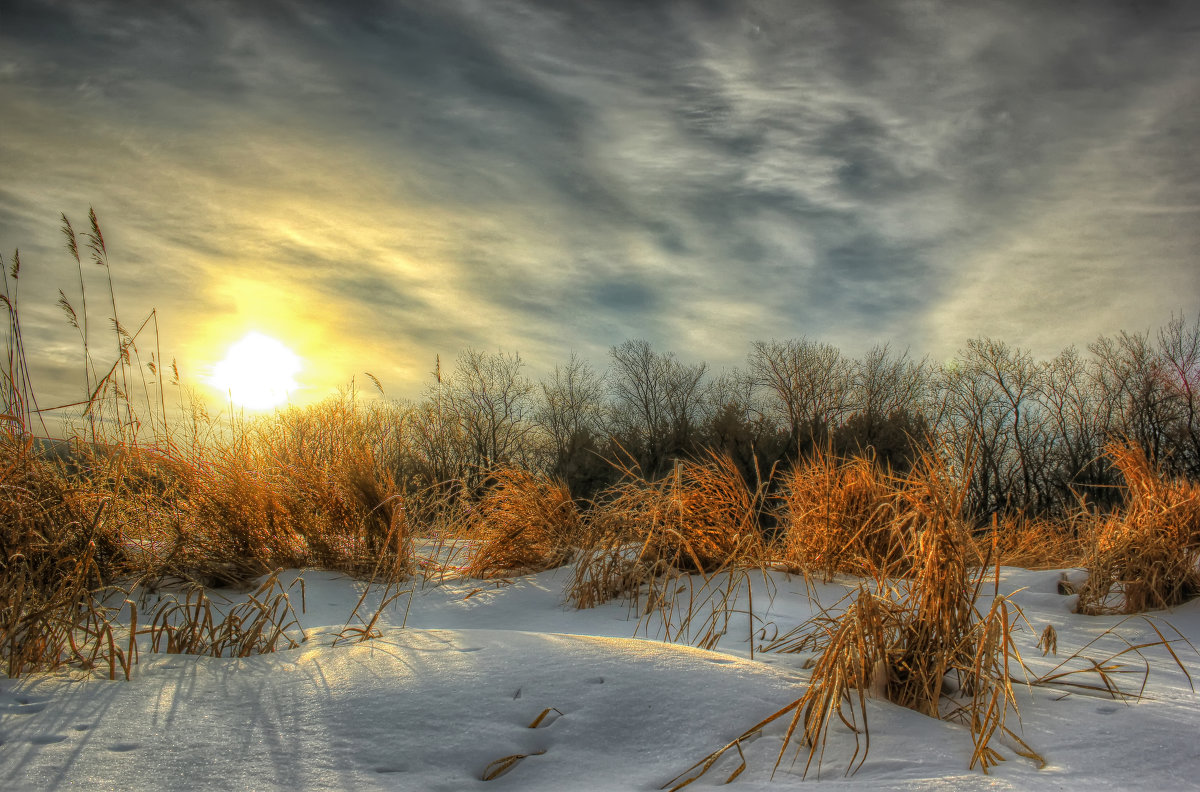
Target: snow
x: 464, y: 667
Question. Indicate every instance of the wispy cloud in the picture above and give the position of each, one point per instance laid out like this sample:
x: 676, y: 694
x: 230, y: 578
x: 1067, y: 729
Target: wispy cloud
x: 394, y: 181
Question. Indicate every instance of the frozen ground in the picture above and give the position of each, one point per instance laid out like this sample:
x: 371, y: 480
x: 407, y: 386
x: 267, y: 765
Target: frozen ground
x: 430, y: 706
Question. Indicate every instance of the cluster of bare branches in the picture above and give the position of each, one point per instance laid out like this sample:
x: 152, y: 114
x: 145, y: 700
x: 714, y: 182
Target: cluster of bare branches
x: 1032, y: 432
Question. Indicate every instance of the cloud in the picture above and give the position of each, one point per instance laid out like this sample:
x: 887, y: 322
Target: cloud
x: 545, y: 177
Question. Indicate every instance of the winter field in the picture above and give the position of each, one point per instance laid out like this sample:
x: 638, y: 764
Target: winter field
x: 946, y: 590
x: 465, y: 675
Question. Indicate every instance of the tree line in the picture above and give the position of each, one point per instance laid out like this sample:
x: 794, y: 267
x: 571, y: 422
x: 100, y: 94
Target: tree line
x: 1029, y: 433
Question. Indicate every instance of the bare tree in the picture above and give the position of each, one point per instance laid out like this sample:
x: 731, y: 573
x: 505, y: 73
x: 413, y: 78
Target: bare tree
x: 1077, y: 426
x: 992, y: 421
x: 884, y: 382
x: 739, y: 422
x: 1018, y: 379
x: 1132, y: 379
x: 887, y: 404
x: 571, y: 414
x: 1031, y: 433
x: 658, y: 400
x: 492, y: 402
x: 810, y: 382
x: 1179, y: 349
x: 437, y: 444
x: 686, y: 400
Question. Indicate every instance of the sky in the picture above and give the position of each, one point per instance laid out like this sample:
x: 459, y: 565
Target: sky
x: 375, y: 184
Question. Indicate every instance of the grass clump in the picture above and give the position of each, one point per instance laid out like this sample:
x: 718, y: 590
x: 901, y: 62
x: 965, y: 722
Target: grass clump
x: 55, y: 549
x: 702, y: 517
x: 1039, y: 543
x: 347, y: 506
x: 836, y: 518
x: 299, y: 488
x: 75, y: 517
x: 918, y: 638
x: 266, y: 620
x: 925, y: 635
x: 523, y: 523
x: 1145, y: 555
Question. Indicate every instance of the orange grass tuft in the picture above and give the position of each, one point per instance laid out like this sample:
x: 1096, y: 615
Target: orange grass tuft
x: 1032, y: 543
x: 836, y: 517
x: 523, y: 523
x: 919, y: 640
x: 1144, y: 556
x: 700, y: 518
x: 55, y: 549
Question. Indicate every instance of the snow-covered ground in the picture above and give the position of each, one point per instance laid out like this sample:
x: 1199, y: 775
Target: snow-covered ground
x: 431, y: 705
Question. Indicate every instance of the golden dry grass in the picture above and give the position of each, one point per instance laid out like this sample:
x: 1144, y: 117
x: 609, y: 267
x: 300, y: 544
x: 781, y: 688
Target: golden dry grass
x: 55, y: 549
x: 267, y: 619
x: 836, y: 517
x: 298, y: 489
x: 847, y: 516
x: 917, y: 638
x: 927, y: 635
x: 228, y: 514
x: 1039, y: 543
x: 1145, y: 555
x: 523, y: 523
x: 700, y: 518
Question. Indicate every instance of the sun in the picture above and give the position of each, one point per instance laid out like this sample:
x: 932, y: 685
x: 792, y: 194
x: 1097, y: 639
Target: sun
x: 258, y: 372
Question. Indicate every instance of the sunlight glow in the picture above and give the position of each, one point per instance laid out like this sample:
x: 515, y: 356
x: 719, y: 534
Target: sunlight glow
x: 257, y: 373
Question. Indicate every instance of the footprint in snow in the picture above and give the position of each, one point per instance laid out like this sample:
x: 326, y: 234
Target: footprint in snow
x: 124, y: 747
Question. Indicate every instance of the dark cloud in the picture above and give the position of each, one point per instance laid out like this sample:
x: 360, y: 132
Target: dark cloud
x: 625, y: 297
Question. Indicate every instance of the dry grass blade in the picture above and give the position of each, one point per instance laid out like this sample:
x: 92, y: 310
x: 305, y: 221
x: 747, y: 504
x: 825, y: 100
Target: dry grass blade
x: 544, y: 715
x: 367, y: 630
x: 392, y: 572
x: 256, y: 626
x: 704, y: 765
x: 93, y: 641
x: 501, y: 766
x: 1048, y: 641
x: 1108, y: 672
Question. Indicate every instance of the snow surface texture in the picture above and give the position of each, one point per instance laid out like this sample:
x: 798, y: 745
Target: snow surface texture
x: 431, y: 705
